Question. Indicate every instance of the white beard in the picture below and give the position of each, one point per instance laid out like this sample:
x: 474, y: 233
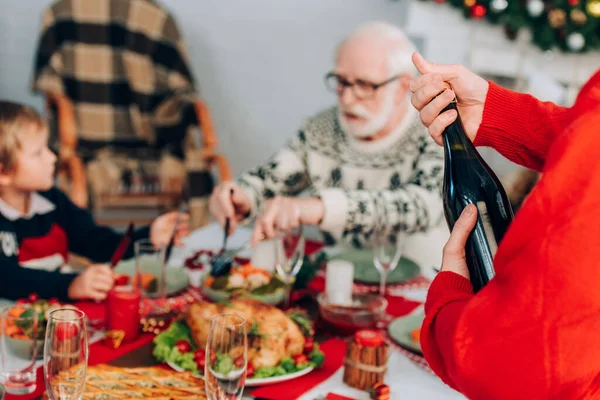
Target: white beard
x: 373, y: 124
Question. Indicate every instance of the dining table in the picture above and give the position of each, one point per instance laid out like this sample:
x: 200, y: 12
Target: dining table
x: 408, y: 374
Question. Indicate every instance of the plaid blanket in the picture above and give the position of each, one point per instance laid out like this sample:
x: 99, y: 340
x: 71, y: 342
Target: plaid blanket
x: 123, y: 65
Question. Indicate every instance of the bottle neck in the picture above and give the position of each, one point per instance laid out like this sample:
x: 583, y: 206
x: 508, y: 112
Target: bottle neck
x: 455, y: 138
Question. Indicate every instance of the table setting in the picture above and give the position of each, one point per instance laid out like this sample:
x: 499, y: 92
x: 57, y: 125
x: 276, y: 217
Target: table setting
x: 286, y: 319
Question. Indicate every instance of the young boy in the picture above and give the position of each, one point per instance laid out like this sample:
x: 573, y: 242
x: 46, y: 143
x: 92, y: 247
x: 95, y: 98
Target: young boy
x: 39, y: 225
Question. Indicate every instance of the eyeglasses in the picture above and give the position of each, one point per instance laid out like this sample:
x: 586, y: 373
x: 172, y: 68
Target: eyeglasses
x: 361, y: 89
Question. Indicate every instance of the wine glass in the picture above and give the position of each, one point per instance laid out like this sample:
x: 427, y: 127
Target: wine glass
x: 65, y: 354
x: 289, y: 256
x: 227, y: 357
x: 387, y: 251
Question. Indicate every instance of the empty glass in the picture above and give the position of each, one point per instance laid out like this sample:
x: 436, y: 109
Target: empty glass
x: 65, y: 354
x: 289, y: 256
x: 20, y: 344
x: 387, y: 251
x: 227, y: 357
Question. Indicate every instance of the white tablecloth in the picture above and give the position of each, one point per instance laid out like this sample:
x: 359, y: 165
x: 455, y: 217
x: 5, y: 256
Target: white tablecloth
x: 407, y: 380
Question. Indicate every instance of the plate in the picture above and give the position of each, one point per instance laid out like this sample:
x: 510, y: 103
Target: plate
x: 365, y: 271
x: 177, y: 279
x: 400, y: 330
x: 220, y: 296
x: 257, y: 382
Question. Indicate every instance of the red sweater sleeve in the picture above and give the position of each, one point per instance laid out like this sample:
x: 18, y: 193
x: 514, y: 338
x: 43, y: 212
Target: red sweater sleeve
x: 519, y: 126
x: 527, y: 334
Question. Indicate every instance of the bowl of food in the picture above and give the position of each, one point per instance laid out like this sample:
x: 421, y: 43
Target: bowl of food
x: 363, y: 312
x: 244, y: 281
x: 25, y: 328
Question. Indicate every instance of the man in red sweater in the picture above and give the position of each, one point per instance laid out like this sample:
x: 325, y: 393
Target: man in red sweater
x: 533, y: 331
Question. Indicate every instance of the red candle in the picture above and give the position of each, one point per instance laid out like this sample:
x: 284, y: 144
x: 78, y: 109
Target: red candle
x: 123, y: 311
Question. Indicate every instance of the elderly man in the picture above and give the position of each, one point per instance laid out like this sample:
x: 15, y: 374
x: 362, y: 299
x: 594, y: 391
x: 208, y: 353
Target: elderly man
x: 367, y: 164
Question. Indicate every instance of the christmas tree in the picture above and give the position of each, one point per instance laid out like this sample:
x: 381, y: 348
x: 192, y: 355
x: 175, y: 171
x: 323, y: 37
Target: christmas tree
x: 570, y: 25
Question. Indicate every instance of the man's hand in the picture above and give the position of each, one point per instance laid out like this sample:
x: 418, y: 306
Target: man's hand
x: 228, y: 200
x: 454, y: 259
x: 286, y: 213
x: 162, y: 228
x: 468, y: 88
x: 93, y: 283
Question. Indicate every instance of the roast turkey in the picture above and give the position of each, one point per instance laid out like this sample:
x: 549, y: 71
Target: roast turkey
x: 272, y: 335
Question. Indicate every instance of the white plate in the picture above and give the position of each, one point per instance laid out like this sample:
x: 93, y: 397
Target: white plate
x: 256, y: 382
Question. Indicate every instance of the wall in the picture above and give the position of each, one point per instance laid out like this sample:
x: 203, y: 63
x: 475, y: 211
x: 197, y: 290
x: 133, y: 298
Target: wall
x: 260, y: 63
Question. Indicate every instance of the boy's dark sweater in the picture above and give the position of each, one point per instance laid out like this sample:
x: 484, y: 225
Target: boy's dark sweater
x: 53, y: 228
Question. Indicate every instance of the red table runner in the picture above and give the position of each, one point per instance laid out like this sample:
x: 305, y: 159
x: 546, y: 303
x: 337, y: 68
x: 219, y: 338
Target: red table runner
x: 334, y: 349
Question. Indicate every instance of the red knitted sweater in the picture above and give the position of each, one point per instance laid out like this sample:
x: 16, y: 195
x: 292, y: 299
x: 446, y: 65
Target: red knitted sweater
x: 534, y: 331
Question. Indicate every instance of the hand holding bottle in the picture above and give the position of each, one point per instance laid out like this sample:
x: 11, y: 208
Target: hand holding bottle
x: 455, y: 256
x: 470, y: 90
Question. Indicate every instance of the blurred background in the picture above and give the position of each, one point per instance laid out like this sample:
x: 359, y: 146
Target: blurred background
x: 259, y: 65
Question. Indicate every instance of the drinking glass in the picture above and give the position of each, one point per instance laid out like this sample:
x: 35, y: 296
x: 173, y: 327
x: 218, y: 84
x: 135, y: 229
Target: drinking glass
x: 387, y: 251
x: 289, y: 256
x: 149, y: 260
x: 20, y: 344
x: 65, y: 354
x: 227, y: 357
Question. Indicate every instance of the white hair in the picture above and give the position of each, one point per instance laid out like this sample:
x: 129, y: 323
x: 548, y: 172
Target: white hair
x: 400, y: 47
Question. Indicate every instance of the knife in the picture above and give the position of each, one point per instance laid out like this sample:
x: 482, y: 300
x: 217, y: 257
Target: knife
x: 183, y: 208
x: 120, y: 251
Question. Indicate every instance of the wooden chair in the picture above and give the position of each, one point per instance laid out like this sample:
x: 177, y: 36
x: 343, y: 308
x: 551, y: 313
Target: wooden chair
x: 140, y: 83
x: 199, y: 162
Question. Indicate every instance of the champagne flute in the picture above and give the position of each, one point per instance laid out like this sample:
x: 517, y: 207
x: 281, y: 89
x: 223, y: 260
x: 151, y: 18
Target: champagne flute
x: 387, y: 251
x: 227, y: 357
x: 65, y: 354
x: 289, y: 256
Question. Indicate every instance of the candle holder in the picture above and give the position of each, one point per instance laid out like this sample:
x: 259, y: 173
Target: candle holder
x: 123, y: 314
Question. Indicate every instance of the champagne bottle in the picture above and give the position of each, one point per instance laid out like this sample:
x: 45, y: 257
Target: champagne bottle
x: 469, y: 180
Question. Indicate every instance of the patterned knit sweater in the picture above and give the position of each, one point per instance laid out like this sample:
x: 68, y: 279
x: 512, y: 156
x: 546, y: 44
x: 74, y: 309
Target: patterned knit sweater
x: 394, y: 181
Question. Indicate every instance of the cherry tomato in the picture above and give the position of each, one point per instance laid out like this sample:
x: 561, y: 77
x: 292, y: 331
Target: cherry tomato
x: 66, y: 330
x: 239, y: 362
x: 249, y: 371
x: 200, y: 354
x: 300, y: 359
x: 309, y: 345
x: 201, y: 363
x: 183, y: 346
x: 33, y: 297
x: 53, y: 301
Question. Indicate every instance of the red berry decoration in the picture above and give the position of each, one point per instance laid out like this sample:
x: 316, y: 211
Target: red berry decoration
x: 573, y: 2
x: 33, y: 297
x: 53, y: 301
x: 478, y: 11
